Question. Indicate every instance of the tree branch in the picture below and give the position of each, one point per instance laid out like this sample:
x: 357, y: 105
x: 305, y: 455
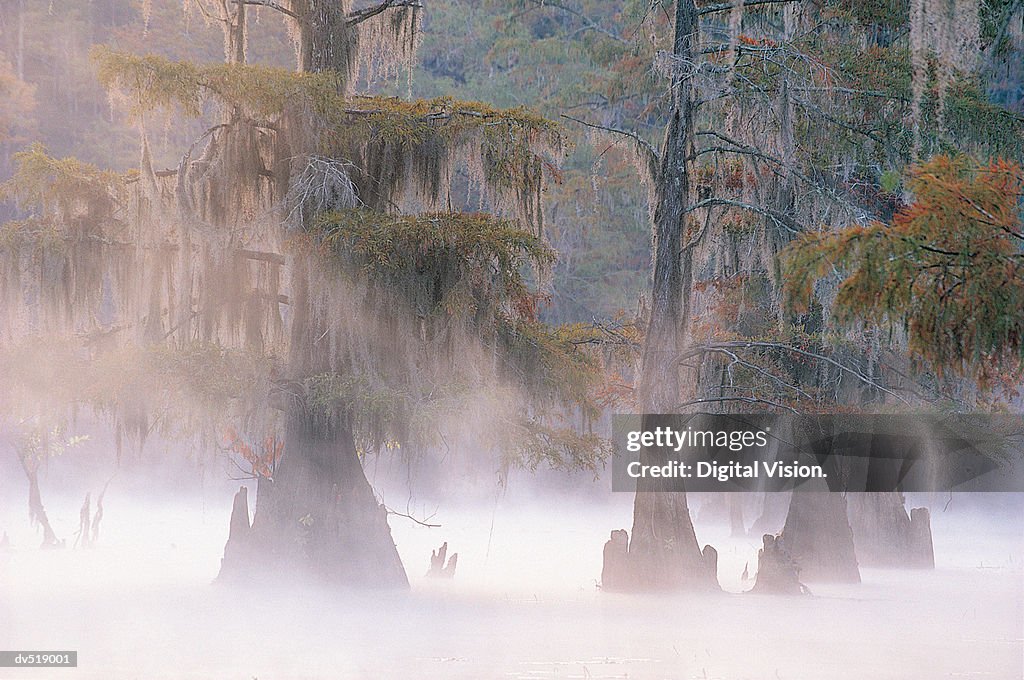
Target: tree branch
x: 748, y: 344
x: 781, y: 219
x: 588, y: 23
x: 745, y: 400
x: 271, y: 4
x: 653, y: 159
x: 728, y: 6
x: 360, y: 15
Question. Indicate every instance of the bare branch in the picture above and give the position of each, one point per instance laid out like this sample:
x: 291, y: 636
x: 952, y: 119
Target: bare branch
x: 410, y: 517
x: 749, y: 344
x: 652, y: 157
x: 360, y: 15
x: 729, y: 6
x: 271, y: 4
x: 781, y: 219
x: 745, y: 400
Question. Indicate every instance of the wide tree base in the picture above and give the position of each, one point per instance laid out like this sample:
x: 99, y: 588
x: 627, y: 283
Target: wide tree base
x: 317, y: 519
x: 663, y: 554
x: 818, y: 538
x: 885, y: 535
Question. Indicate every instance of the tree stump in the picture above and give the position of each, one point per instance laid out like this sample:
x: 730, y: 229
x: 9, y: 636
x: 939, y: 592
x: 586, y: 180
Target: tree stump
x: 710, y: 556
x: 777, y: 573
x: 885, y: 535
x: 84, y: 518
x: 921, y: 553
x: 438, y: 569
x: 238, y: 548
x: 615, y: 569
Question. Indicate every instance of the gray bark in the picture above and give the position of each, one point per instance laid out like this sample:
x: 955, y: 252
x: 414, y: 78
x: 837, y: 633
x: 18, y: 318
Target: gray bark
x: 818, y: 537
x: 885, y: 535
x: 664, y: 552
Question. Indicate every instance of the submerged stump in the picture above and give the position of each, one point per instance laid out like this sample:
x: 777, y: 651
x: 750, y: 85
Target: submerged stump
x: 438, y: 568
x: 777, y: 573
x: 615, y: 574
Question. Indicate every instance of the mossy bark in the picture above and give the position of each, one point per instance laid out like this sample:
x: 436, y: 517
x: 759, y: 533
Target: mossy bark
x: 326, y: 41
x: 663, y: 551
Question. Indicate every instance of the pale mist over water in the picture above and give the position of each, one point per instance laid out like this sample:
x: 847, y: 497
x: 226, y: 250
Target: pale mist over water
x: 524, y: 602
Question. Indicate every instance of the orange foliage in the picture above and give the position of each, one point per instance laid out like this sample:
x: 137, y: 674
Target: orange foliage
x: 950, y: 267
x: 263, y: 462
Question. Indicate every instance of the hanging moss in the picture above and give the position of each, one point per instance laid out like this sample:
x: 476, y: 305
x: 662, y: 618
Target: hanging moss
x: 551, y: 363
x: 392, y: 143
x: 444, y: 320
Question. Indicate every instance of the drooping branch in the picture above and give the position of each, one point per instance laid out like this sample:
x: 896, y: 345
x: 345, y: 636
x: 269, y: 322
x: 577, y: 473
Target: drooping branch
x: 651, y: 158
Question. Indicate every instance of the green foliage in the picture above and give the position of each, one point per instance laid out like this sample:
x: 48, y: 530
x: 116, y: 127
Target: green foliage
x: 950, y: 266
x: 264, y: 93
x: 993, y: 131
x: 449, y: 263
x: 64, y: 187
x: 533, y: 443
x: 554, y: 367
x: 507, y: 151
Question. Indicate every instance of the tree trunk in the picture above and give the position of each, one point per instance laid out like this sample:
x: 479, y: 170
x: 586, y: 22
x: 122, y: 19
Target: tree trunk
x: 326, y: 41
x: 663, y: 551
x: 885, y: 535
x: 317, y: 518
x: 817, y: 536
x: 36, y: 511
x: 235, y: 28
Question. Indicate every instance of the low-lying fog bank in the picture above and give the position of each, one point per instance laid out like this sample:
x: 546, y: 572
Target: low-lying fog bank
x: 523, y: 604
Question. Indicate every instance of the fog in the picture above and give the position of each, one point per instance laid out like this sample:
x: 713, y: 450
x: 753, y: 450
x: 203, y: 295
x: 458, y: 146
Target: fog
x: 524, y: 602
